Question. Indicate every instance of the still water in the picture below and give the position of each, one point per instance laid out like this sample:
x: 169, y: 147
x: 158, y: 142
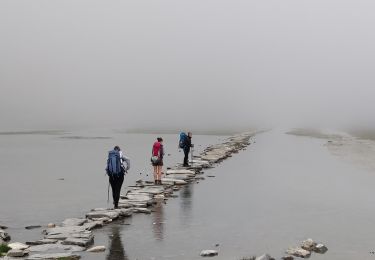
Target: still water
x: 281, y: 190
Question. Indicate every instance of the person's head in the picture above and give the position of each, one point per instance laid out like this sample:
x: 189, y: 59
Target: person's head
x: 117, y: 148
x: 160, y: 140
x: 190, y: 134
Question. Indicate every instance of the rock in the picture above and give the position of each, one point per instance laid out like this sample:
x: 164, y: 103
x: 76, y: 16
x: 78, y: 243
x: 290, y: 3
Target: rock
x: 125, y: 212
x: 320, y: 249
x: 4, y: 235
x: 209, y: 253
x: 18, y: 246
x: 74, y: 222
x: 56, y: 247
x: 288, y: 257
x: 57, y: 256
x: 3, y: 227
x: 96, y: 249
x: 264, y: 257
x: 308, y: 244
x: 42, y: 242
x: 83, y: 242
x: 16, y: 253
x: 51, y: 225
x: 298, y: 252
x: 105, y: 220
x: 181, y: 171
x: 170, y: 181
x: 33, y: 227
x: 93, y: 224
x: 159, y: 196
x: 103, y: 214
x: 142, y: 210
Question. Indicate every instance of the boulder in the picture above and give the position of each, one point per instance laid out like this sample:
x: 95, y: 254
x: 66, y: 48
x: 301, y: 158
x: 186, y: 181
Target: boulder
x: 74, y: 222
x: 18, y: 246
x: 320, y: 249
x: 57, y: 256
x: 206, y: 253
x: 298, y: 252
x: 308, y: 244
x: 4, y: 235
x: 96, y: 249
x: 16, y: 253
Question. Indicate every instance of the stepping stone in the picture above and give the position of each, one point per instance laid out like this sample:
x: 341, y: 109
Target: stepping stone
x: 74, y: 222
x: 57, y: 256
x: 206, y: 253
x: 83, y: 242
x: 102, y: 214
x: 96, y: 249
x: 18, y: 246
x: 298, y: 252
x: 42, y: 242
x: 16, y: 253
x: 56, y: 247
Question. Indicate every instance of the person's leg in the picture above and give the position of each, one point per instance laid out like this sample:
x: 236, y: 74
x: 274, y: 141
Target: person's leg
x: 159, y: 173
x: 155, y: 174
x: 119, y: 183
x: 113, y: 186
x: 186, y: 158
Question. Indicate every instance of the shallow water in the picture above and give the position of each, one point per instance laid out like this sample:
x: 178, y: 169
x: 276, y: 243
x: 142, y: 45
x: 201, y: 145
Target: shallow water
x: 32, y: 165
x: 281, y: 190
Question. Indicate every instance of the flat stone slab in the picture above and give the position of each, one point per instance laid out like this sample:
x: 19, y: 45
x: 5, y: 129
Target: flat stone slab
x: 74, y: 222
x: 57, y: 256
x: 125, y: 212
x: 171, y: 181
x: 16, y: 253
x: 103, y: 214
x: 57, y: 248
x: 206, y: 253
x: 42, y: 242
x: 142, y: 210
x: 83, y: 242
x: 298, y: 252
x: 18, y: 246
x: 181, y: 171
x: 96, y: 249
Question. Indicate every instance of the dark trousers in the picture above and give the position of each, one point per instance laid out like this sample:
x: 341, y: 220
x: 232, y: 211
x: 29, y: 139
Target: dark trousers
x: 116, y: 183
x: 186, y: 158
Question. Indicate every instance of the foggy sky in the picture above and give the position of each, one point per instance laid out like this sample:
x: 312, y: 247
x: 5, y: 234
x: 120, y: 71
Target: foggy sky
x: 206, y: 63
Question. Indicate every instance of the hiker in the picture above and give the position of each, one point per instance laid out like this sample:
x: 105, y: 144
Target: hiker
x: 157, y: 159
x: 116, y: 171
x: 185, y: 144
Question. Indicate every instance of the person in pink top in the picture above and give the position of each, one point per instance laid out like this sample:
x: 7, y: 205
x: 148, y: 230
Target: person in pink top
x: 157, y: 159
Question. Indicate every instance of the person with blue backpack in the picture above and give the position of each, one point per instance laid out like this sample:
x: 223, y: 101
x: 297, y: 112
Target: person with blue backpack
x: 116, y: 171
x: 185, y: 144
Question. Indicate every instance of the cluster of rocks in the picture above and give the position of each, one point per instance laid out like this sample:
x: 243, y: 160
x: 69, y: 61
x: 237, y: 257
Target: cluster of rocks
x: 305, y: 250
x: 75, y: 234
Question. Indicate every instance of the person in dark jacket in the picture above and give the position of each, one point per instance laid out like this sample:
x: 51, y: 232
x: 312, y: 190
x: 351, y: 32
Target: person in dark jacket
x: 116, y: 179
x: 187, y: 146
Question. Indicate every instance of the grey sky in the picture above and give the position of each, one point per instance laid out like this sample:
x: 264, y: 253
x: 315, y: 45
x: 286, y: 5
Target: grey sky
x: 209, y: 63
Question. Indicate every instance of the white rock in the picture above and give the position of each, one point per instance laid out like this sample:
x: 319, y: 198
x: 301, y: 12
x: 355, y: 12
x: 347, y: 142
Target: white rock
x: 181, y: 171
x: 96, y: 249
x: 18, y: 246
x: 209, y: 253
x: 308, y: 244
x: 298, y: 252
x: 16, y: 253
x: 172, y: 181
x: 264, y: 257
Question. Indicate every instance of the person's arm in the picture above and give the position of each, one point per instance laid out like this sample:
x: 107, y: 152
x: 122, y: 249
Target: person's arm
x: 127, y: 161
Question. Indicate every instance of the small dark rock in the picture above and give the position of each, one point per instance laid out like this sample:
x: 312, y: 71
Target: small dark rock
x: 33, y: 227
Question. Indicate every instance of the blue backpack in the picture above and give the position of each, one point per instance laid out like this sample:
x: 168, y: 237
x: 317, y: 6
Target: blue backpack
x: 183, y: 138
x: 114, y: 166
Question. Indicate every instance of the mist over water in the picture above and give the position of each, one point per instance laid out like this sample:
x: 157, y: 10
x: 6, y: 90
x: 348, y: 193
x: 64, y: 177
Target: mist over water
x: 199, y: 65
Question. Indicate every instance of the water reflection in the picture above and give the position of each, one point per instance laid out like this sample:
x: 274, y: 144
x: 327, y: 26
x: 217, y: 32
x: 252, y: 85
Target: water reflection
x: 186, y: 203
x: 158, y: 220
x: 116, y: 249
